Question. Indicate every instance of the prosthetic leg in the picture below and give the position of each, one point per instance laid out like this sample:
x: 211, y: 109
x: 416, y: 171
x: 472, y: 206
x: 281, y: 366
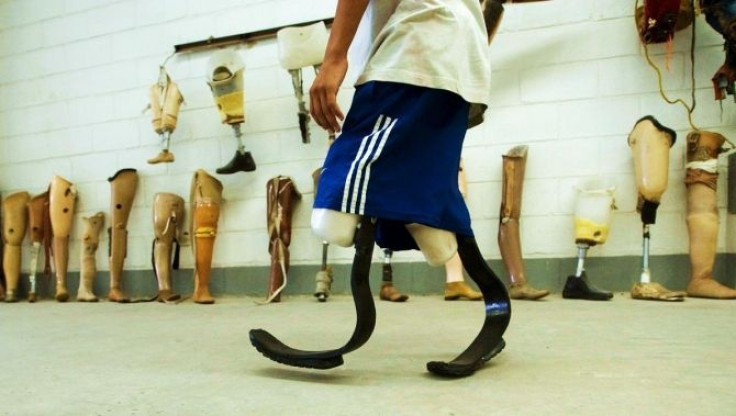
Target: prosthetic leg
x: 323, y: 279
x: 205, y: 198
x: 721, y: 16
x: 38, y: 216
x: 225, y: 78
x: 388, y: 290
x: 592, y: 225
x: 124, y: 184
x: 15, y: 215
x: 168, y: 215
x: 300, y: 47
x: 509, y: 241
x: 2, y: 267
x: 701, y: 179
x: 281, y: 196
x: 62, y: 197
x: 90, y: 241
x: 165, y: 100
x: 650, y: 144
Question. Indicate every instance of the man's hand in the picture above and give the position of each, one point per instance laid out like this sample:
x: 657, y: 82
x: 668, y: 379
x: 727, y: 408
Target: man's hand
x: 323, y: 94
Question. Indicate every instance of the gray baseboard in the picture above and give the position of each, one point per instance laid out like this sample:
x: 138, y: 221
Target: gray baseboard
x: 616, y: 274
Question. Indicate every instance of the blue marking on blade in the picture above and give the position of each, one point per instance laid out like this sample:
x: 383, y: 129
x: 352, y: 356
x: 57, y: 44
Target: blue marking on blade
x: 497, y: 308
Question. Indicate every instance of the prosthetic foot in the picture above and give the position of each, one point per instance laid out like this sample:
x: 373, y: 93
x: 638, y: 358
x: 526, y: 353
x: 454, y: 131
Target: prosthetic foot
x: 205, y: 199
x: 168, y: 216
x: 123, y: 185
x: 15, y: 221
x: 165, y: 100
x: 701, y: 179
x: 242, y: 161
x: 90, y: 241
x: 62, y: 198
x: 39, y: 221
x: 281, y: 197
x: 165, y: 156
x: 388, y: 290
x: 455, y: 286
x: 509, y: 241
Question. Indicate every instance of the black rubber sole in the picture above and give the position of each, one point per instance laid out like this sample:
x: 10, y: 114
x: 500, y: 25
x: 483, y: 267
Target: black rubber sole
x: 457, y: 370
x: 275, y: 350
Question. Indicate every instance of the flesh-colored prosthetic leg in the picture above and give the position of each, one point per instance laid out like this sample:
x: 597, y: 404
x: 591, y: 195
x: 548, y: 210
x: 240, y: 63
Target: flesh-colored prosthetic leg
x: 62, y: 198
x: 90, y: 241
x: 281, y: 197
x: 15, y: 221
x: 39, y: 222
x: 650, y: 144
x: 509, y: 241
x: 165, y: 100
x: 702, y: 214
x: 168, y: 216
x: 205, y: 198
x: 123, y: 185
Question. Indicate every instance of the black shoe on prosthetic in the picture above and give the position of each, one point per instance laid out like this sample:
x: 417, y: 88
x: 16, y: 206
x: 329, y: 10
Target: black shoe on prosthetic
x: 581, y: 288
x: 365, y: 310
x: 241, y: 162
x: 489, y: 342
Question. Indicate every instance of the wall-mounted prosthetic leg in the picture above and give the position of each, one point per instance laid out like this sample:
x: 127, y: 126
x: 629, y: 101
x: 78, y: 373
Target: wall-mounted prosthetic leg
x: 701, y: 179
x: 165, y: 100
x: 90, y: 241
x: 650, y: 144
x: 62, y: 197
x: 205, y: 198
x: 123, y: 185
x: 281, y: 197
x: 15, y: 221
x: 225, y: 78
x: 509, y: 241
x: 168, y: 216
x: 592, y: 225
x: 39, y: 222
x: 388, y: 290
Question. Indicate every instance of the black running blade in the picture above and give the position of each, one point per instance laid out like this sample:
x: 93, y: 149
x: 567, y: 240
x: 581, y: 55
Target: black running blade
x: 277, y: 351
x: 462, y: 368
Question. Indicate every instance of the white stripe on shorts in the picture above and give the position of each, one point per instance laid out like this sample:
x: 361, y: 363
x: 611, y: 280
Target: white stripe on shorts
x: 364, y: 189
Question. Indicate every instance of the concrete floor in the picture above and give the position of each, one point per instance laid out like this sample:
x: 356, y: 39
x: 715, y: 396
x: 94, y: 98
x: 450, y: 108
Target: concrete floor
x: 563, y: 357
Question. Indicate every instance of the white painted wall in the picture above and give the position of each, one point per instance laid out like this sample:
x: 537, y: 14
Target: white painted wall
x: 570, y: 80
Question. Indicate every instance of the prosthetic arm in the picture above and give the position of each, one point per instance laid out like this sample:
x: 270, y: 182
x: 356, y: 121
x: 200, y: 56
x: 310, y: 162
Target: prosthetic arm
x: 281, y: 196
x: 39, y: 221
x: 165, y: 100
x: 90, y: 241
x: 15, y: 221
x: 62, y: 198
x: 123, y: 186
x: 205, y: 198
x: 168, y: 216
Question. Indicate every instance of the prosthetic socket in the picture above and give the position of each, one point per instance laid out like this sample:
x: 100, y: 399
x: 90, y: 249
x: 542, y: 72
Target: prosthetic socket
x: 41, y: 234
x: 62, y: 198
x: 721, y: 16
x: 205, y: 198
x: 123, y: 186
x: 281, y: 197
x: 15, y: 221
x: 658, y: 20
x: 168, y: 217
x: 165, y: 100
x: 90, y: 241
x: 300, y: 47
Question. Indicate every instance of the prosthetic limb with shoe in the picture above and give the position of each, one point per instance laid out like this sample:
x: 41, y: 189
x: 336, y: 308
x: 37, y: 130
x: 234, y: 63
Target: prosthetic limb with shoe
x: 15, y: 221
x: 205, y: 198
x: 281, y: 197
x: 165, y: 100
x: 592, y: 225
x: 650, y: 144
x: 225, y: 78
x: 388, y: 290
x: 39, y: 222
x: 62, y: 198
x: 90, y: 242
x: 701, y: 180
x: 168, y: 217
x: 123, y: 186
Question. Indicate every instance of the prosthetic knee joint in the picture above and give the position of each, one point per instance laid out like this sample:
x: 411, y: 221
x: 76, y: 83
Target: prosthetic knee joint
x: 168, y: 217
x: 123, y: 185
x: 15, y: 221
x: 62, y: 198
x: 39, y: 221
x: 90, y: 241
x: 165, y: 100
x: 281, y: 197
x: 205, y: 198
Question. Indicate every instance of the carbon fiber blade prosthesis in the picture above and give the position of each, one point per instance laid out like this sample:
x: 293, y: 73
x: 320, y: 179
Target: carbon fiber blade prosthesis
x: 365, y: 310
x: 489, y: 342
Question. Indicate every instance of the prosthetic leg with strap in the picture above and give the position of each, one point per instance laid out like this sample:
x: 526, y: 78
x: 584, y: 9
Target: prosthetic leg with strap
x: 62, y: 198
x: 39, y: 222
x: 205, y: 198
x: 90, y: 242
x: 168, y: 216
x: 15, y: 221
x: 281, y: 196
x: 165, y: 100
x: 123, y: 186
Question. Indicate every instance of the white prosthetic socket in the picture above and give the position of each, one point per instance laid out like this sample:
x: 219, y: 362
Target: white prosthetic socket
x: 437, y: 245
x: 90, y: 241
x: 62, y: 198
x: 15, y: 221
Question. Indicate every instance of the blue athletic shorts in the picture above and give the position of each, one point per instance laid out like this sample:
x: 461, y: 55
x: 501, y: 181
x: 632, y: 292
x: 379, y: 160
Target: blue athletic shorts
x: 397, y: 160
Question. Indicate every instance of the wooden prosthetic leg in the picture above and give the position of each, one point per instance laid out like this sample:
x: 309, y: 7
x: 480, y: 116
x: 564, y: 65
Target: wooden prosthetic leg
x: 62, y: 198
x: 168, y: 216
x: 281, y: 196
x: 41, y: 235
x: 90, y: 241
x: 15, y: 221
x: 205, y: 198
x: 702, y: 214
x: 165, y: 100
x: 123, y: 185
x: 509, y: 241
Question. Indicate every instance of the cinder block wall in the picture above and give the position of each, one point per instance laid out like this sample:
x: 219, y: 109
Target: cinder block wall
x: 570, y: 80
